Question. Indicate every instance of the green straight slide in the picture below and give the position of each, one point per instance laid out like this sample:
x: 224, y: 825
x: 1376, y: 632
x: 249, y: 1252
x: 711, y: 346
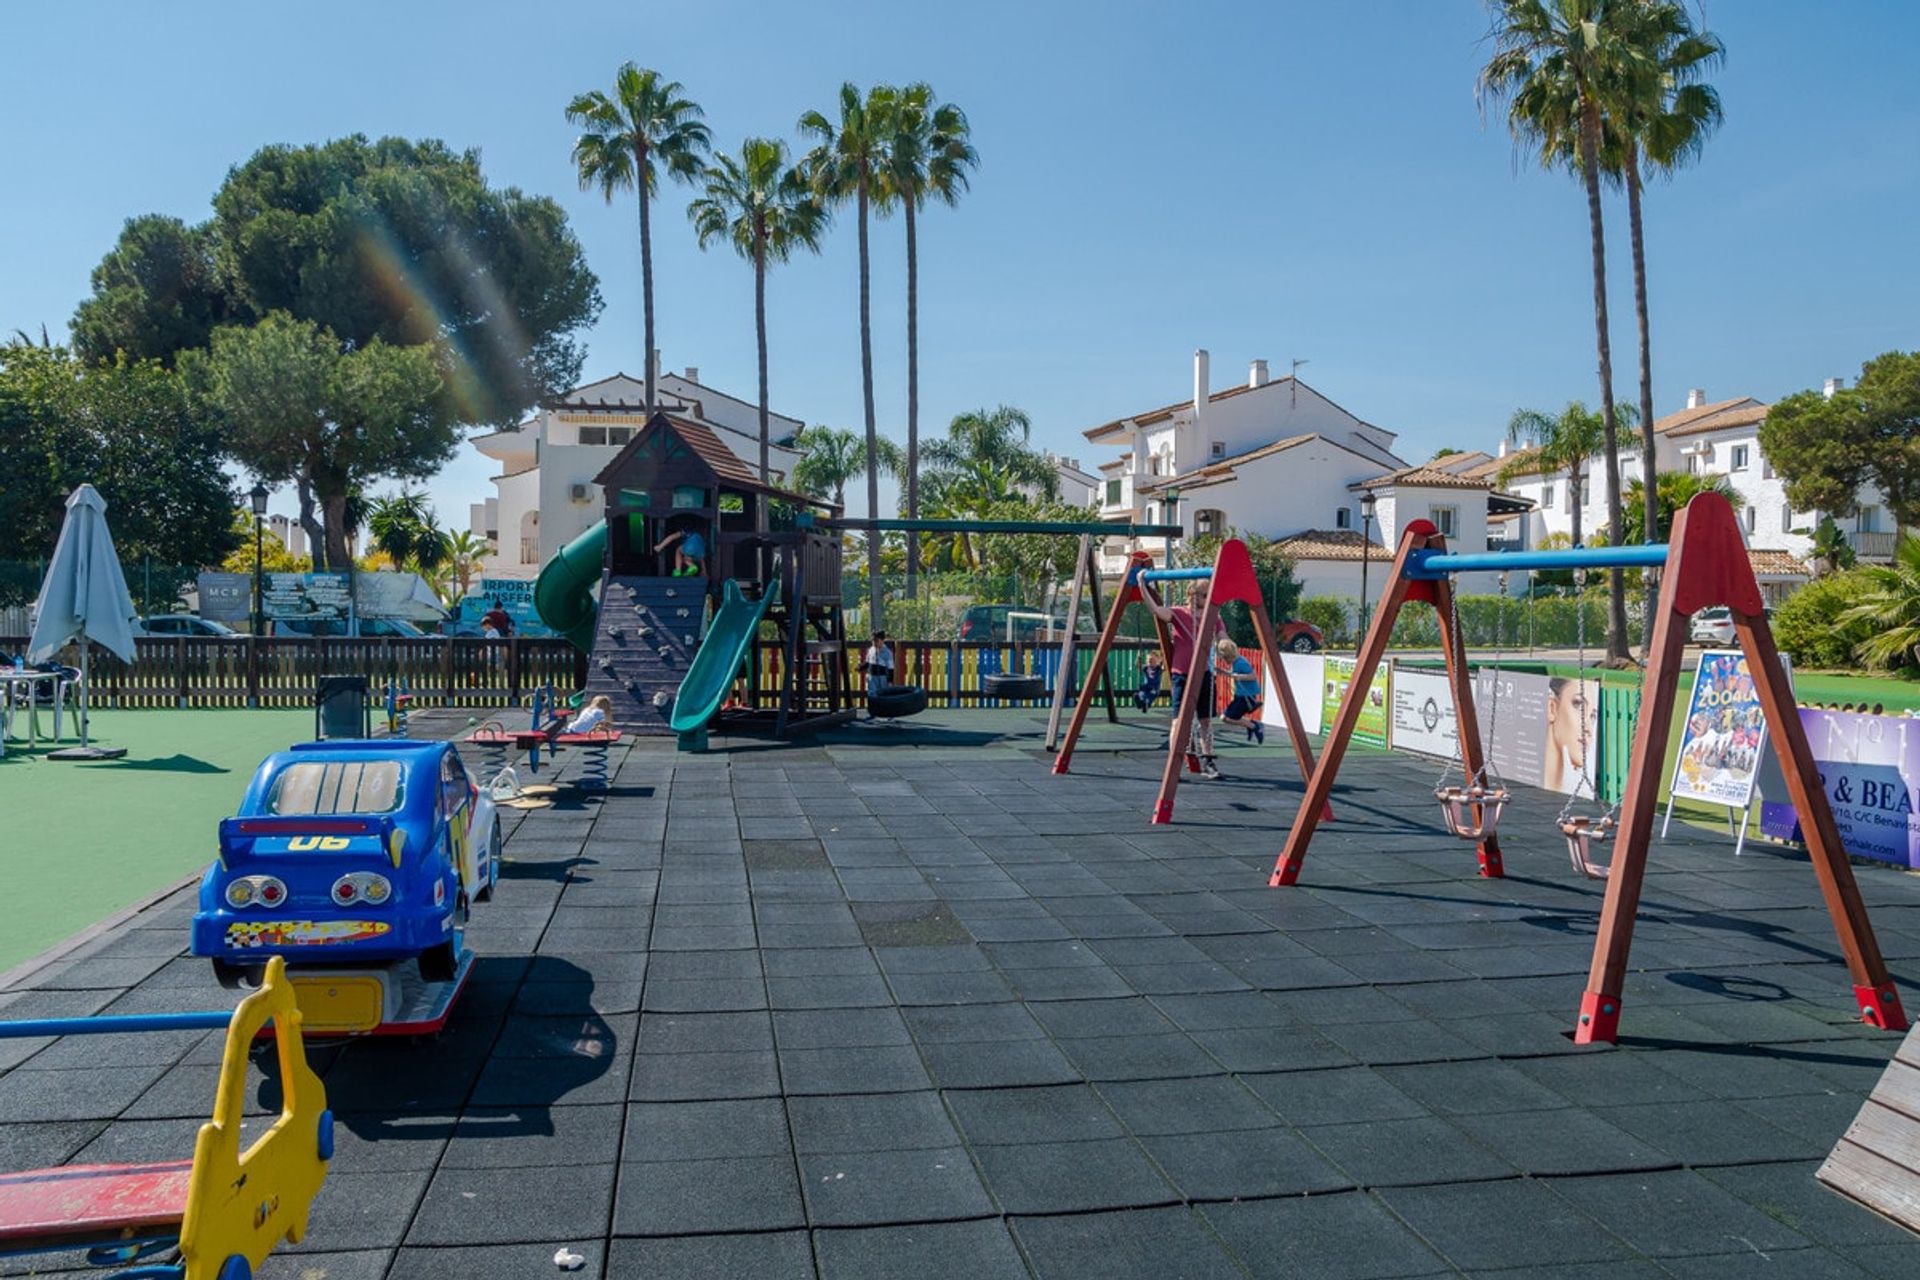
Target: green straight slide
x: 718, y: 661
x: 563, y: 593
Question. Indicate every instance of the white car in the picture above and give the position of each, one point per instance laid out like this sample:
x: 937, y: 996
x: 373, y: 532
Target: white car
x: 1715, y: 626
x: 183, y: 624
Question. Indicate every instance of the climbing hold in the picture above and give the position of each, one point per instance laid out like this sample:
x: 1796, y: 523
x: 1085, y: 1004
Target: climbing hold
x: 671, y: 592
x: 679, y: 613
x: 686, y: 639
x: 661, y: 698
x: 665, y: 652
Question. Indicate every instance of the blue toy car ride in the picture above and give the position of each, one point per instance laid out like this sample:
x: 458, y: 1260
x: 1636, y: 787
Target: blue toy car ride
x: 348, y: 852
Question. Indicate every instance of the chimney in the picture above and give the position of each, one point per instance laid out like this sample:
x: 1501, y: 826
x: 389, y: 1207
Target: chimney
x: 1257, y: 374
x: 1503, y: 449
x: 1696, y: 397
x: 1833, y: 385
x: 1200, y: 384
x: 693, y: 373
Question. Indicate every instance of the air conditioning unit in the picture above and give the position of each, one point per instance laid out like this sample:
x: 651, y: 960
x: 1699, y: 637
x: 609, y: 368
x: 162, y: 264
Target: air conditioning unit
x: 577, y: 492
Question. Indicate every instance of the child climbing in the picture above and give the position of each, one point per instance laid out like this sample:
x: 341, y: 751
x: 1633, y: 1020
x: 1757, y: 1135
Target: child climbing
x: 1243, y: 712
x: 689, y: 549
x: 1151, y: 671
x: 1184, y: 621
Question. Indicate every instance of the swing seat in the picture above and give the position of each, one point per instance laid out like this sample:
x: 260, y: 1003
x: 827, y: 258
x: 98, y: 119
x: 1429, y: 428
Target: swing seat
x: 1582, y: 832
x: 1458, y: 806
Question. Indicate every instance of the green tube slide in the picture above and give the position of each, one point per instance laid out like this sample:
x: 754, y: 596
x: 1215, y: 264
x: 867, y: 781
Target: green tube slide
x: 563, y: 593
x: 718, y: 661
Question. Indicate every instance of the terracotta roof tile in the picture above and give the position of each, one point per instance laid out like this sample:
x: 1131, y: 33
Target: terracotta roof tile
x: 1742, y: 411
x: 1777, y: 562
x: 1330, y: 544
x: 1423, y: 477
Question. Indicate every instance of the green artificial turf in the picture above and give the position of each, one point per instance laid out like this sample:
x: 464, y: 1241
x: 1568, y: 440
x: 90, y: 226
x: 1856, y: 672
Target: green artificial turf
x: 85, y: 840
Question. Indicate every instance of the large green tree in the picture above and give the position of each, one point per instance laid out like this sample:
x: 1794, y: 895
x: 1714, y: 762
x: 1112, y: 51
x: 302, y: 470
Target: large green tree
x: 831, y: 456
x: 155, y: 294
x: 846, y: 166
x: 766, y: 210
x: 645, y: 127
x: 130, y: 429
x: 1554, y: 63
x: 929, y: 155
x: 1828, y: 449
x: 298, y: 408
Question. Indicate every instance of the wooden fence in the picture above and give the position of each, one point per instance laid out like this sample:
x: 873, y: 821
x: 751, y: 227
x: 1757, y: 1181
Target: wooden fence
x: 952, y: 671
x: 243, y: 671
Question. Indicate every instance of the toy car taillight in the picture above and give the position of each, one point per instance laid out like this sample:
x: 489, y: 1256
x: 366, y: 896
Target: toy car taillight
x: 248, y: 891
x: 361, y: 886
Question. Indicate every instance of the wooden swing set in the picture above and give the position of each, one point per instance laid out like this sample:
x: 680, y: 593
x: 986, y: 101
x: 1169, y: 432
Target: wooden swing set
x: 1705, y: 564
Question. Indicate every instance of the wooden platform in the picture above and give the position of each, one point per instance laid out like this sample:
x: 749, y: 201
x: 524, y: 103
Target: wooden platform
x: 1877, y: 1161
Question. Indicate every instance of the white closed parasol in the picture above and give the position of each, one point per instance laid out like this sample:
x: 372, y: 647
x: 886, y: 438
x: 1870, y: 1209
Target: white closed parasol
x: 84, y: 597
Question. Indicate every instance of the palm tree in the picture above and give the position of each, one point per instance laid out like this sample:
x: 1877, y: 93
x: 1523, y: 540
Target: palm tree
x: 404, y: 531
x: 1563, y: 442
x: 644, y: 126
x: 929, y: 154
x: 1890, y: 604
x: 765, y: 210
x: 991, y: 446
x: 831, y: 456
x: 1672, y: 490
x: 466, y: 552
x: 845, y: 165
x: 1554, y: 62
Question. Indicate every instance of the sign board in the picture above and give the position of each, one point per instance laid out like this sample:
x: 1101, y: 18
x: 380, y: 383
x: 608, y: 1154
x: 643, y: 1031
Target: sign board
x: 1724, y: 734
x: 515, y: 596
x: 1304, y: 672
x: 1371, y: 727
x: 226, y: 597
x: 1540, y: 730
x: 1870, y: 768
x: 1423, y: 717
x: 307, y: 597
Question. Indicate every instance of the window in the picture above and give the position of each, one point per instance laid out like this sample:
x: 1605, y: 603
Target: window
x: 689, y: 497
x: 1153, y: 514
x: 1868, y: 521
x: 1113, y: 493
x: 1153, y: 465
x: 1343, y: 518
x: 1786, y: 519
x: 1693, y: 464
x: 1749, y: 517
x: 1445, y: 519
x: 1546, y: 495
x: 1766, y: 468
x: 342, y: 786
x: 1738, y: 460
x: 605, y: 435
x: 1219, y: 448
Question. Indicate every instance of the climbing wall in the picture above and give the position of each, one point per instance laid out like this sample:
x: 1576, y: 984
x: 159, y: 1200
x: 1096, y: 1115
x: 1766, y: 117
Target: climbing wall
x: 646, y: 636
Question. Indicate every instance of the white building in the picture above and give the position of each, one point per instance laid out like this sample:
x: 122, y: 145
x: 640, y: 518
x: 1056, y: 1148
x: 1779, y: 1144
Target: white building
x: 546, y: 496
x: 1078, y: 486
x: 1275, y: 457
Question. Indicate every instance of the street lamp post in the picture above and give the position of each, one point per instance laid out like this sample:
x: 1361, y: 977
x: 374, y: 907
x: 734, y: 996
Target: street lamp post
x: 259, y: 497
x: 1367, y: 500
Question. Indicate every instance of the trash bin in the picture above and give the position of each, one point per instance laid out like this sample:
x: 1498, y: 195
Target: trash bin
x: 340, y: 708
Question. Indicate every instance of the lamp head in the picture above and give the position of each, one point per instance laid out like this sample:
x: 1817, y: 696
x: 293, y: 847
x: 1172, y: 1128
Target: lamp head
x: 259, y: 497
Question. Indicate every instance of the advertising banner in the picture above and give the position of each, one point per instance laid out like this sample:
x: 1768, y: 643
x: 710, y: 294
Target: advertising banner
x: 226, y: 597
x: 1540, y: 730
x: 1371, y: 728
x: 515, y: 595
x: 386, y: 594
x: 1423, y: 717
x: 1304, y: 672
x: 1724, y: 736
x: 1870, y: 768
x: 307, y: 597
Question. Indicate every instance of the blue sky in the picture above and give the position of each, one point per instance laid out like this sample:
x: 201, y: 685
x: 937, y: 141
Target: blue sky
x: 1285, y: 181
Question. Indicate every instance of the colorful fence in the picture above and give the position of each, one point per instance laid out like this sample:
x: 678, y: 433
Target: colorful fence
x: 242, y: 671
x: 953, y: 673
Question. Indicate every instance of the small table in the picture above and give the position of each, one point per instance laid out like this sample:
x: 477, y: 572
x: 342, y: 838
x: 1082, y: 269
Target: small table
x: 14, y: 682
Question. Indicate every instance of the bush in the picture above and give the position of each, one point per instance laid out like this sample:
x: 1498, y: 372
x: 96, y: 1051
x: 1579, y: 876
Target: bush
x: 1331, y: 615
x: 1807, y: 626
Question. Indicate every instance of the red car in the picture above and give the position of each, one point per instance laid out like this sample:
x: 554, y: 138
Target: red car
x: 1299, y: 637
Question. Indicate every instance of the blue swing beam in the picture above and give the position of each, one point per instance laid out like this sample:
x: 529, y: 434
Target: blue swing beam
x: 1427, y: 566
x: 109, y: 1024
x: 1175, y: 575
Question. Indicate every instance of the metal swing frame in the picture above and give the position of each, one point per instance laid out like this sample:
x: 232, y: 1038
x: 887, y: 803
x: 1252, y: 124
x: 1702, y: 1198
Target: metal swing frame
x: 1705, y: 564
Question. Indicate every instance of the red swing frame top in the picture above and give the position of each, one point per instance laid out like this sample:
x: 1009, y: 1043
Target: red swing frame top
x: 1706, y: 565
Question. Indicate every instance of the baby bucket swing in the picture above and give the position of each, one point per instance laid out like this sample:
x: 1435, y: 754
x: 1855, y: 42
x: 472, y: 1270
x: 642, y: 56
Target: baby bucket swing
x: 1585, y: 830
x: 1471, y: 808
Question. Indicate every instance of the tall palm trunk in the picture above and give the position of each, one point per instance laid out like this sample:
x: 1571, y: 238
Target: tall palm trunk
x: 760, y: 335
x: 1649, y: 471
x: 913, y: 395
x: 646, y: 264
x: 1590, y: 169
x: 873, y: 431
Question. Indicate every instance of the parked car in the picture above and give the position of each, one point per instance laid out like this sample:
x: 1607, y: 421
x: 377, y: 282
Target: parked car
x: 989, y: 622
x: 346, y: 851
x: 372, y: 628
x: 1299, y: 637
x: 183, y: 624
x: 1715, y: 626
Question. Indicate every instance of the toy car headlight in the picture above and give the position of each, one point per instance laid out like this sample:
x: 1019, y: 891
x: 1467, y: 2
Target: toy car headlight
x: 261, y: 891
x: 361, y: 886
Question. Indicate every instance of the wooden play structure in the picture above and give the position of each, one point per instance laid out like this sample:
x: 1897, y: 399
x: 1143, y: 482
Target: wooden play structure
x: 216, y: 1216
x: 1704, y: 565
x: 1231, y: 578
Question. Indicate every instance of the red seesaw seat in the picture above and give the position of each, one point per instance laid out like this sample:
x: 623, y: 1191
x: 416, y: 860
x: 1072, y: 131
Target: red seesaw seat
x: 81, y: 1205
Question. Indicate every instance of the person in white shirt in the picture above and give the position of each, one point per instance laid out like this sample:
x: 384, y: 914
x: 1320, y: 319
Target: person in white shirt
x: 877, y: 665
x: 592, y: 717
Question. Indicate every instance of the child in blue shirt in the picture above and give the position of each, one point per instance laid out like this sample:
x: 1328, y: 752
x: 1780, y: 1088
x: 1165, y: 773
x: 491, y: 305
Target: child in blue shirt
x: 690, y: 550
x: 1244, y: 710
x: 1151, y: 669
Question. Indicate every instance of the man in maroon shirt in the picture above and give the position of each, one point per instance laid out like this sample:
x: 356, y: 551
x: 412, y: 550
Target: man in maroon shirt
x: 1184, y: 620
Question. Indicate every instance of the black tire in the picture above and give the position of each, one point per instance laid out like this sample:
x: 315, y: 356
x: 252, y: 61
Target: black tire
x: 236, y: 976
x: 485, y: 893
x: 1013, y: 686
x: 1303, y: 643
x: 442, y: 962
x: 897, y: 701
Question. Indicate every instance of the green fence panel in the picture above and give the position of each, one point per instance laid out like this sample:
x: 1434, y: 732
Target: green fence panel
x: 1619, y: 712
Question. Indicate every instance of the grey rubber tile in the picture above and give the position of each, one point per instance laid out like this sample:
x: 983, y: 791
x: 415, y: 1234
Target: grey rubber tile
x: 1243, y: 1164
x: 997, y: 1064
x: 705, y: 1130
x: 704, y: 995
x: 981, y: 1250
x: 1789, y: 1194
x: 971, y: 1023
x: 839, y: 1028
x: 1339, y: 1096
x: 1478, y: 1087
x: 357, y: 1264
x: 1141, y: 1057
x: 97, y: 1093
x: 1254, y: 1049
x: 870, y: 1122
x: 705, y: 1032
x: 686, y: 1077
x: 367, y: 1210
x: 1727, y: 1134
x: 1069, y: 1113
x: 754, y: 1193
x: 1677, y: 1214
x: 861, y: 1069
x: 857, y: 991
x: 964, y: 986
x: 1132, y: 1016
x: 521, y: 1082
x: 780, y: 1255
x: 870, y: 1188
x: 1206, y: 1104
x: 1566, y: 1141
x: 1154, y: 1244
x: 507, y: 1206
x: 1072, y: 1177
x: 1334, y: 1237
x: 40, y: 1144
x: 485, y: 1262
x: 534, y: 1138
x: 1395, y: 1153
x: 1472, y: 1225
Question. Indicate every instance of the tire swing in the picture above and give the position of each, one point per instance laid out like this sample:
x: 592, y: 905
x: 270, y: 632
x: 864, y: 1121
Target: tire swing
x: 1013, y: 685
x: 1471, y: 808
x: 897, y: 701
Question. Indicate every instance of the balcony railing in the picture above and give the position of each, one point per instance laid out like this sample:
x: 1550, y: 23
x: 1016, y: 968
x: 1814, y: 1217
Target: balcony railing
x: 1871, y: 545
